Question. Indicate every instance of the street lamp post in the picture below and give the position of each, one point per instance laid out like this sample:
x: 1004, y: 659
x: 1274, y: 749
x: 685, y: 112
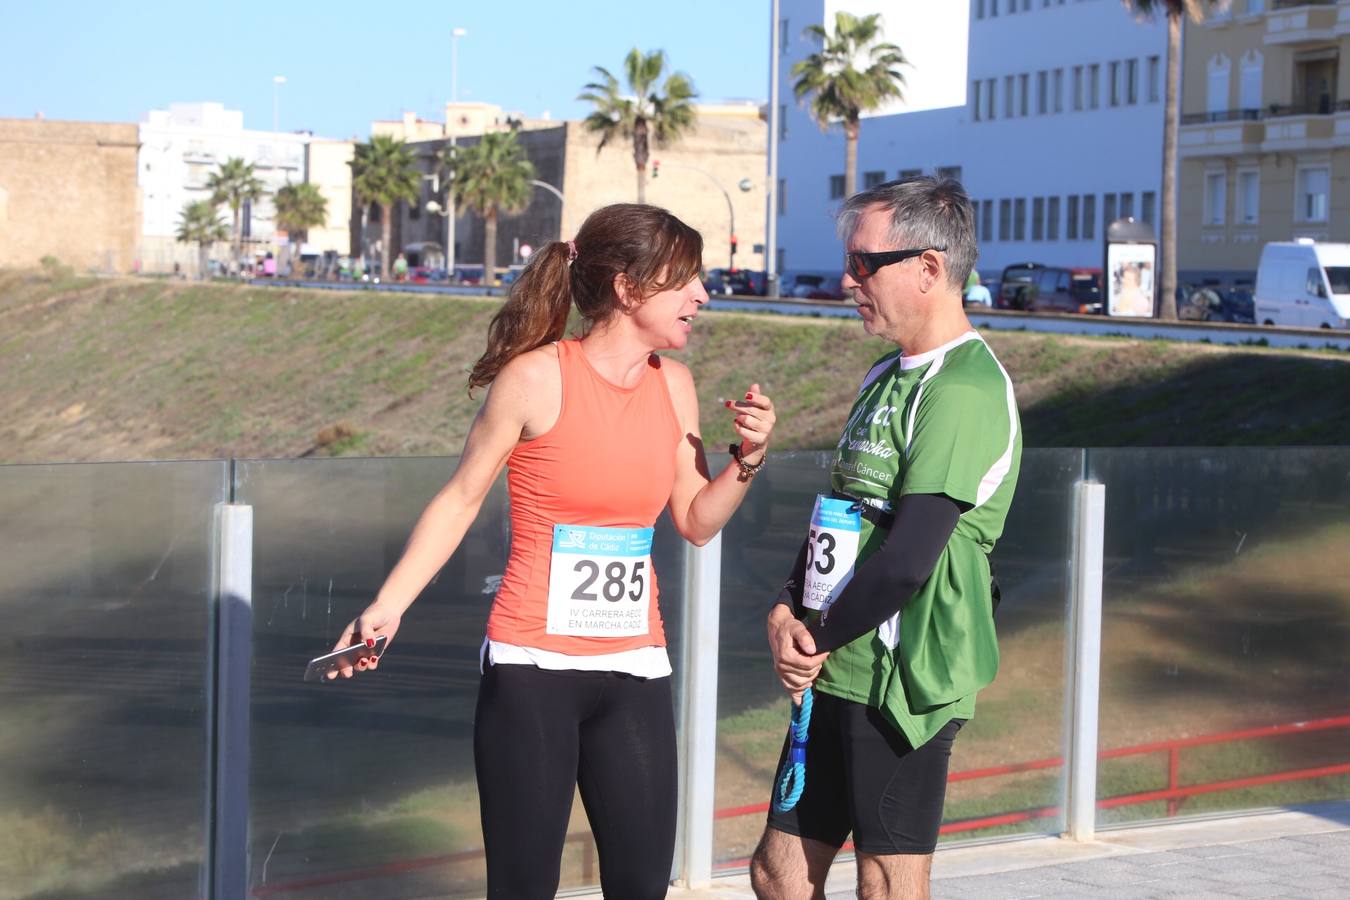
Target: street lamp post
x: 562, y: 203
x: 745, y: 184
x: 277, y: 82
x: 450, y: 125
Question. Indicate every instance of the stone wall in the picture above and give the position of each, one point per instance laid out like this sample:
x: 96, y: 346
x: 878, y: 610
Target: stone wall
x: 68, y: 189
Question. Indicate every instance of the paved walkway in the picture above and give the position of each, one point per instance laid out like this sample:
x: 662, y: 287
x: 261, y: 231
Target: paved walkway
x: 1298, y: 853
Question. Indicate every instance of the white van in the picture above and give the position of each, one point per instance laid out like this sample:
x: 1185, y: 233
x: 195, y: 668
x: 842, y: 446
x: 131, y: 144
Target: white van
x: 1304, y: 284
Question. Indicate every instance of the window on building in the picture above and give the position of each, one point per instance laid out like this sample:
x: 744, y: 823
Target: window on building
x: 1038, y: 218
x: 1216, y: 190
x: 1113, y: 84
x: 1005, y: 220
x: 1108, y: 209
x: 1314, y: 194
x: 979, y: 9
x: 976, y: 99
x: 782, y: 36
x: 1148, y: 201
x: 1216, y: 93
x: 1042, y: 93
x: 1059, y: 91
x: 1249, y: 81
x: 1024, y: 82
x: 1020, y: 219
x: 1248, y: 199
x: 1026, y: 5
x: 836, y: 187
x: 909, y: 174
x: 1127, y: 205
x: 1071, y: 217
x: 782, y: 260
x: 952, y: 172
x: 1154, y: 81
x: 1089, y: 229
x: 782, y: 196
x: 872, y: 179
x: 993, y: 8
x: 989, y: 92
x: 1077, y: 88
x: 1094, y: 79
x: 782, y: 121
x: 987, y: 221
x: 1052, y: 219
x: 1131, y: 82
x: 1009, y: 101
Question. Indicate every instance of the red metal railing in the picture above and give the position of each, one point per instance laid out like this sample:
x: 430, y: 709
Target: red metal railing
x: 1175, y: 794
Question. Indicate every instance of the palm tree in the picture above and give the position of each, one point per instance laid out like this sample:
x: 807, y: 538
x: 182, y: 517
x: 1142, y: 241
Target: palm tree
x: 492, y: 176
x: 646, y: 114
x: 384, y: 172
x: 1167, y: 240
x: 234, y: 185
x: 300, y: 207
x: 841, y: 91
x: 200, y: 223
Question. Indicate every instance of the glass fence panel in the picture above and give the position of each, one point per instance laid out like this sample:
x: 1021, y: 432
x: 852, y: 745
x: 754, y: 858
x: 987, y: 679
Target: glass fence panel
x: 367, y: 786
x: 1226, y: 609
x: 1020, y: 716
x: 105, y: 589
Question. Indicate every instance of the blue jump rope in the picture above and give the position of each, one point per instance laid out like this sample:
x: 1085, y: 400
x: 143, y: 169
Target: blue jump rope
x: 792, y: 780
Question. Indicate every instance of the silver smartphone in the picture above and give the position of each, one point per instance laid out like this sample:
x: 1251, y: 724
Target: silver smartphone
x: 320, y: 666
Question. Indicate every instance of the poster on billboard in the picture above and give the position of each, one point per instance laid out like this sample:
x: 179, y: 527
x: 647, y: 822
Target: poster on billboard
x: 1131, y: 276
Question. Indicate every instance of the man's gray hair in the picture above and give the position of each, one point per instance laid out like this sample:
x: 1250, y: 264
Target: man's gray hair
x: 925, y: 212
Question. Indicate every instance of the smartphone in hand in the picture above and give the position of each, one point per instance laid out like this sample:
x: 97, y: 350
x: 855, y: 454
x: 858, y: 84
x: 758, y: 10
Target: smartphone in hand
x: 320, y: 666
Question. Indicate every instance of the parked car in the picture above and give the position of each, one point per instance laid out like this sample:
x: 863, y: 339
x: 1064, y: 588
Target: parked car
x: 425, y: 275
x: 813, y: 286
x: 746, y: 282
x: 1215, y: 303
x: 1037, y: 288
x: 1303, y: 284
x: 714, y: 282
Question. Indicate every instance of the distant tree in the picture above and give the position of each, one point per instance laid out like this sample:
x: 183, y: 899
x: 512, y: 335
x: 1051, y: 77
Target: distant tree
x: 492, y: 176
x: 645, y: 114
x: 384, y: 172
x: 840, y: 91
x: 1196, y: 10
x: 300, y: 207
x: 234, y: 185
x: 199, y: 223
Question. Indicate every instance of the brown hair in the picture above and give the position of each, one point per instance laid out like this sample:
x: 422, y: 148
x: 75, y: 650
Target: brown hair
x: 650, y: 247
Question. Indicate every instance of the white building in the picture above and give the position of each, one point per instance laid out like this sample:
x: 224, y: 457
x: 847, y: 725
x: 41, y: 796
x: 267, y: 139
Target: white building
x: 180, y: 148
x: 1050, y: 112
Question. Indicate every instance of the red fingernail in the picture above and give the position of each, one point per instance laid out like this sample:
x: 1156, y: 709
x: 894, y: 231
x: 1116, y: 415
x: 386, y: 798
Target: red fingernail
x: 749, y: 396
x: 370, y: 642
x: 728, y: 403
x: 361, y: 663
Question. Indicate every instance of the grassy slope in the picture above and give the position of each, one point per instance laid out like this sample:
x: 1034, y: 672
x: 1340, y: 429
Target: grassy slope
x: 140, y: 369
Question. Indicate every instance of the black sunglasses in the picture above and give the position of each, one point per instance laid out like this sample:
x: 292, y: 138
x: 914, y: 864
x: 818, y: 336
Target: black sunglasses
x: 865, y: 265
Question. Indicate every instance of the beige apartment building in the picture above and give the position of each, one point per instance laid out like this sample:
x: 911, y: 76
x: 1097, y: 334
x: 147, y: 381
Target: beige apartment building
x: 328, y: 167
x: 1264, y: 144
x: 712, y: 178
x: 68, y: 189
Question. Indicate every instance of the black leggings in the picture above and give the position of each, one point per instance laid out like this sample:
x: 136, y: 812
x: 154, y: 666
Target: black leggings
x: 540, y: 733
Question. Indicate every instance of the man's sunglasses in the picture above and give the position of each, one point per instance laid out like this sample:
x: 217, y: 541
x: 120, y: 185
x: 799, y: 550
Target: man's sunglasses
x: 865, y: 265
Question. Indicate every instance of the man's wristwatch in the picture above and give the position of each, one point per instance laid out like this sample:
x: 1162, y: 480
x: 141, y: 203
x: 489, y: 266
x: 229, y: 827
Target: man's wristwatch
x: 746, y: 469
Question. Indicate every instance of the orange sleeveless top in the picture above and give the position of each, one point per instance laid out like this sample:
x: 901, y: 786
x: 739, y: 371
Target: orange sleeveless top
x: 608, y: 461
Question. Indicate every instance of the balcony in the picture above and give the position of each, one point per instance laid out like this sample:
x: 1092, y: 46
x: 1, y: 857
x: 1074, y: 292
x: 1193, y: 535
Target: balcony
x: 1221, y: 133
x: 1293, y: 23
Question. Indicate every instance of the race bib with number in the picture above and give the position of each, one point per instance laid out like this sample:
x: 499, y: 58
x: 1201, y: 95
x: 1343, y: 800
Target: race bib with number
x: 599, y: 582
x: 831, y: 551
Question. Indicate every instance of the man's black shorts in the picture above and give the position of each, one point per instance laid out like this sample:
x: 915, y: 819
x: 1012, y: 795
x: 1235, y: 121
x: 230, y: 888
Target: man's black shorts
x: 863, y: 777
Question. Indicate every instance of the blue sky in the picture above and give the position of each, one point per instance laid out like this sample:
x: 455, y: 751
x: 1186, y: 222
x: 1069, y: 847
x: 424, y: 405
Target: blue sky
x: 347, y: 63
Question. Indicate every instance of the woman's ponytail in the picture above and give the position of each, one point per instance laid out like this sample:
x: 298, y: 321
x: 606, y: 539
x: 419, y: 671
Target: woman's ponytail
x: 535, y: 313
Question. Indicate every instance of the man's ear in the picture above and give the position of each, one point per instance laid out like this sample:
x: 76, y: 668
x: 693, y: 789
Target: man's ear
x: 934, y: 269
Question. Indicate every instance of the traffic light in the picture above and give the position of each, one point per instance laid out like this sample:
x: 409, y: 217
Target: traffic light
x: 733, y: 251
x: 656, y: 168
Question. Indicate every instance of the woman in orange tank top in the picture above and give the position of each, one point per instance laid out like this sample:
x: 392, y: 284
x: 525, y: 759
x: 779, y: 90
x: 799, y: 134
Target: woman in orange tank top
x: 598, y: 435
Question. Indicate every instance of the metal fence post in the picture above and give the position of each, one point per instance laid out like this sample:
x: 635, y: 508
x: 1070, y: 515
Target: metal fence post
x: 698, y: 712
x: 1084, y: 668
x: 234, y: 627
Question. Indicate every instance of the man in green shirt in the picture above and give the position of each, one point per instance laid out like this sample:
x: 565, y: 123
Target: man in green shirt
x: 888, y: 614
